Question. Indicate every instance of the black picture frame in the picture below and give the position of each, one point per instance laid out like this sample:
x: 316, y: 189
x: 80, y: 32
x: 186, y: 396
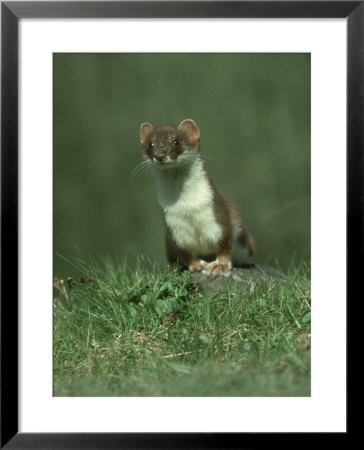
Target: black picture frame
x: 11, y: 12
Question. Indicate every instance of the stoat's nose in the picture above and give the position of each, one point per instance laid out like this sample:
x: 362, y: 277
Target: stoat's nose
x: 160, y: 156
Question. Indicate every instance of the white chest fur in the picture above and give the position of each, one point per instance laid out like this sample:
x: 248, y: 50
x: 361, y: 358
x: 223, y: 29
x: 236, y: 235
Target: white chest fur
x: 187, y: 202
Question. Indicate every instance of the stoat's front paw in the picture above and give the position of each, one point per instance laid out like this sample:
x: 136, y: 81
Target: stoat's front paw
x: 214, y: 268
x: 197, y: 266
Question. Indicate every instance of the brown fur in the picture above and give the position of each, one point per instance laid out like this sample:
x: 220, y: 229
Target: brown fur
x: 227, y: 214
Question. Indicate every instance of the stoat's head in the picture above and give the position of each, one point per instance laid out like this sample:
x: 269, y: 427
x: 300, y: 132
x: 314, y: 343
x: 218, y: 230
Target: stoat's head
x: 170, y: 145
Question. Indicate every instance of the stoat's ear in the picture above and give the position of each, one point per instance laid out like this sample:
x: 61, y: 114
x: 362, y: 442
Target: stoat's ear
x: 191, y: 130
x: 145, y: 129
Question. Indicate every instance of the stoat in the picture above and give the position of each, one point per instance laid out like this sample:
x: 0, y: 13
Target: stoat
x: 204, y: 230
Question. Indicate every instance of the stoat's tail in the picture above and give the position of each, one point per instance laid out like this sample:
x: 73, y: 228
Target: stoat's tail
x: 248, y: 241
x: 243, y: 247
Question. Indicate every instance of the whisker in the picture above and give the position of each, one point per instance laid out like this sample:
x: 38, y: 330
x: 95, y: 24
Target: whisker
x: 136, y: 168
x: 190, y: 158
x: 139, y: 167
x: 136, y: 173
x: 206, y: 157
x: 142, y: 165
x: 146, y: 163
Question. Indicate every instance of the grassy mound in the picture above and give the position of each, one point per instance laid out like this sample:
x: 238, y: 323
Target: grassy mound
x: 149, y: 332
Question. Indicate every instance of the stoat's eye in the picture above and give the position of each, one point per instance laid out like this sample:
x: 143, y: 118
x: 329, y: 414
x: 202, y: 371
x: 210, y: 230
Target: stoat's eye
x: 176, y: 142
x: 151, y: 145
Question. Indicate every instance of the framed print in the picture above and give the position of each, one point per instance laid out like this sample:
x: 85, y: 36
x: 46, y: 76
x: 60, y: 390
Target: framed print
x: 261, y: 99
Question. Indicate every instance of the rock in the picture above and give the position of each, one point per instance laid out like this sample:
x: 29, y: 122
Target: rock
x: 235, y: 278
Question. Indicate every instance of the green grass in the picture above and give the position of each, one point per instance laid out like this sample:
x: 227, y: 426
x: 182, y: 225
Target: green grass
x: 150, y: 332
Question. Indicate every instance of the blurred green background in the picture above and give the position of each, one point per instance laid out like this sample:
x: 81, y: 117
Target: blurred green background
x: 253, y: 111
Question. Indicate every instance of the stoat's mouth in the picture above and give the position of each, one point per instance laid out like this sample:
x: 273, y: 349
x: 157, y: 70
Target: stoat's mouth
x: 166, y: 162
x: 183, y: 160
